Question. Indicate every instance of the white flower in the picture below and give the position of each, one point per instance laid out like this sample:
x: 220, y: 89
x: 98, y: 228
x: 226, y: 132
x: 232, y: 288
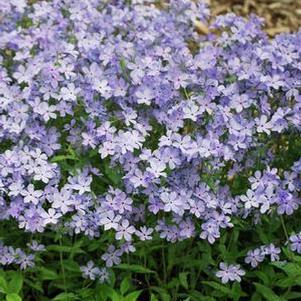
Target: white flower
x: 125, y: 231
x: 50, y: 216
x: 31, y: 195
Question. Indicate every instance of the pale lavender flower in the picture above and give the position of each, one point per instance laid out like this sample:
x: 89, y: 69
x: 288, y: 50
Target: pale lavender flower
x: 144, y: 233
x: 25, y: 261
x: 31, y: 195
x: 125, y: 230
x: 35, y: 246
x: 210, y: 231
x: 254, y: 257
x: 263, y: 126
x: 286, y: 202
x: 272, y: 251
x: 89, y: 271
x: 295, y: 243
x: 229, y: 272
x: 81, y: 183
x: 103, y: 275
x: 50, y: 217
x: 112, y: 256
x: 250, y: 199
x: 171, y: 201
x: 127, y: 248
x: 70, y: 92
x: 62, y: 200
x: 144, y: 95
x: 110, y: 220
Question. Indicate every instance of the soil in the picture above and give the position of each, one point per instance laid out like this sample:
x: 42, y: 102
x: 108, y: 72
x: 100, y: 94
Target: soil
x: 279, y: 15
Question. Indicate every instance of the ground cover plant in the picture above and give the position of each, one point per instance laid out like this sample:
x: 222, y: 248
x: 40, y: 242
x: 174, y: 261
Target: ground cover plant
x: 142, y: 159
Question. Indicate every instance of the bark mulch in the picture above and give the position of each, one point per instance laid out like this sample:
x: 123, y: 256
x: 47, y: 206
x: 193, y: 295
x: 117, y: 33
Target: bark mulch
x: 279, y: 15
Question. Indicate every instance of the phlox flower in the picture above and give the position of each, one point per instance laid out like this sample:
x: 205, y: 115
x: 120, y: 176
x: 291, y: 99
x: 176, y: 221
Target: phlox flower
x: 229, y: 272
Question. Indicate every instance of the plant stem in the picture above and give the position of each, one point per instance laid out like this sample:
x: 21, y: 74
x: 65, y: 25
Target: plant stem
x: 62, y: 267
x: 284, y: 227
x: 145, y: 265
x: 164, y: 263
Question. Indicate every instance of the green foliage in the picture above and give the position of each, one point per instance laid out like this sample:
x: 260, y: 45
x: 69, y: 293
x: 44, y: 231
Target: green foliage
x: 158, y: 272
x: 11, y: 284
x: 135, y: 268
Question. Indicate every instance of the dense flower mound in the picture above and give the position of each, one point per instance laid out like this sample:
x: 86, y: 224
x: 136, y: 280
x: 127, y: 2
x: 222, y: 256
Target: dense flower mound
x: 123, y: 120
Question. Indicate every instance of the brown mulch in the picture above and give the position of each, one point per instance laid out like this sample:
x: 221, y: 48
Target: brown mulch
x: 279, y: 15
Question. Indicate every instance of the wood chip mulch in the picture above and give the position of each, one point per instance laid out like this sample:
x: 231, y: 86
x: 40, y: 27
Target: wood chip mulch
x: 279, y: 15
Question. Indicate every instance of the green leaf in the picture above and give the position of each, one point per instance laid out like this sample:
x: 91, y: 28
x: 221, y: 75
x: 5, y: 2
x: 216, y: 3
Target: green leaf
x: 162, y: 292
x: 264, y: 277
x: 15, y: 283
x: 25, y: 22
x: 291, y: 269
x: 64, y: 297
x: 219, y: 287
x: 286, y: 282
x: 71, y: 266
x: 47, y: 274
x: 132, y: 296
x: 104, y: 291
x: 267, y: 293
x: 125, y: 285
x: 293, y: 295
x: 191, y: 263
x: 62, y: 158
x: 135, y: 268
x: 116, y: 297
x: 153, y: 298
x: 13, y: 297
x: 86, y: 293
x: 113, y: 175
x: 122, y: 64
x: 36, y: 285
x: 173, y: 283
x: 256, y: 297
x: 197, y: 296
x: 3, y: 285
x: 101, y: 293
x: 183, y: 280
x: 236, y: 291
x: 66, y: 249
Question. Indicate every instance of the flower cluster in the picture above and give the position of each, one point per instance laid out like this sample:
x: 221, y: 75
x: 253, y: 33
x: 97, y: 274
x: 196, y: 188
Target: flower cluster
x: 254, y: 257
x: 123, y: 118
x: 269, y: 191
x: 9, y: 255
